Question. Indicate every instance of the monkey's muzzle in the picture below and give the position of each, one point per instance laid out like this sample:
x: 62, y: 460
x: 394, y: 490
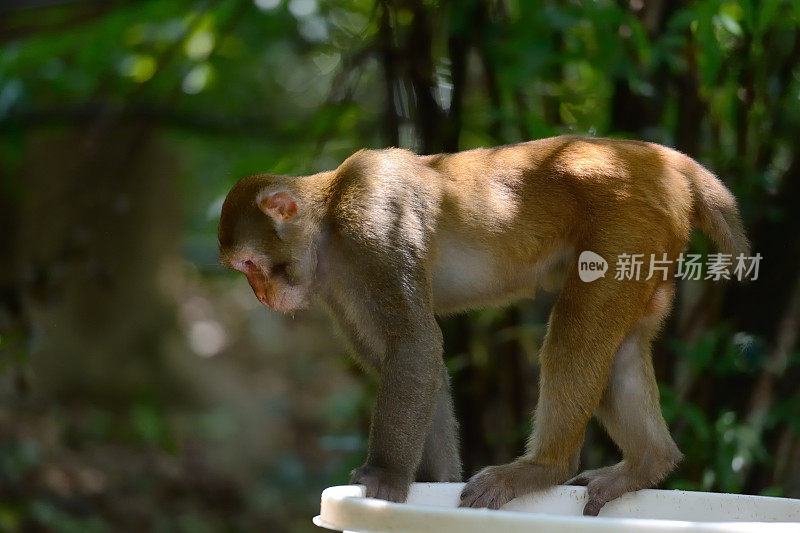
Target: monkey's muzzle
x: 258, y: 280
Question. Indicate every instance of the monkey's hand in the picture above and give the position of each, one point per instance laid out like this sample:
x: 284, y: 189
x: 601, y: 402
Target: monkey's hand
x: 381, y: 483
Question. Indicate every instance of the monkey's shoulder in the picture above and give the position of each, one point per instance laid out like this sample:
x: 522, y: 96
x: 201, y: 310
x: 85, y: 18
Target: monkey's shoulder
x: 385, y: 175
x: 385, y: 199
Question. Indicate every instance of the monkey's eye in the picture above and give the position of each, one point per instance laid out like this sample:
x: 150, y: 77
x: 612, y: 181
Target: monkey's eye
x: 280, y: 269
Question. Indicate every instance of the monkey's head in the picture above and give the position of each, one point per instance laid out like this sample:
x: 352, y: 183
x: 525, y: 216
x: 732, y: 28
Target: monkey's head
x: 263, y: 235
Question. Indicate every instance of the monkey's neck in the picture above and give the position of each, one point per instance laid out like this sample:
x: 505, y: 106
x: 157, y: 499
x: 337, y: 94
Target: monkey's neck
x: 312, y: 193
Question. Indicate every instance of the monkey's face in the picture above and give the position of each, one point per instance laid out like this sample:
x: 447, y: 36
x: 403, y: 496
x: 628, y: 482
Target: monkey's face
x: 261, y: 236
x: 278, y: 285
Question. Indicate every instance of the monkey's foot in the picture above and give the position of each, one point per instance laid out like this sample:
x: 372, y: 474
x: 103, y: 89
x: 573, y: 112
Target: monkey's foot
x: 494, y: 486
x: 381, y: 483
x: 604, y: 485
x: 488, y: 488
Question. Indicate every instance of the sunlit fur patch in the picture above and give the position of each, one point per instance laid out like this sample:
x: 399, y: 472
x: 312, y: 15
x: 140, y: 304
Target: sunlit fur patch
x: 586, y: 159
x: 502, y: 204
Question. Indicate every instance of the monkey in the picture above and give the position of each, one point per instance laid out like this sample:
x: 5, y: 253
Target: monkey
x: 390, y: 240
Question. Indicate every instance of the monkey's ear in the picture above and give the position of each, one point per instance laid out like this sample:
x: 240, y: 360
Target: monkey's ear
x: 280, y: 206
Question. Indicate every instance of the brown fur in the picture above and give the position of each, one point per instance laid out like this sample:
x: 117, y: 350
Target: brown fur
x: 389, y: 239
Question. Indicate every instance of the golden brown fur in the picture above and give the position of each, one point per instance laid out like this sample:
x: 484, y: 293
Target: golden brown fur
x: 390, y: 239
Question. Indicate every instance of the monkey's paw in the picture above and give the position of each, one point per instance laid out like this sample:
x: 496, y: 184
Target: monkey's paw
x: 491, y: 487
x: 602, y: 486
x: 381, y: 483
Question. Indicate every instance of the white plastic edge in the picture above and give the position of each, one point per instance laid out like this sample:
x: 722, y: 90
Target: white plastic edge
x: 345, y: 508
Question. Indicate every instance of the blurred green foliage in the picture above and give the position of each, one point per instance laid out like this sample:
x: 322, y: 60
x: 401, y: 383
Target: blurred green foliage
x: 231, y: 87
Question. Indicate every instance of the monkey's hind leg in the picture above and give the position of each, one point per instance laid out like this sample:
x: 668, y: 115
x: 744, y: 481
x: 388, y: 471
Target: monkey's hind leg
x: 630, y: 412
x: 587, y: 325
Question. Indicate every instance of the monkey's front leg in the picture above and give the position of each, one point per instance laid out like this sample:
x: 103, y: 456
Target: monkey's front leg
x: 441, y: 460
x: 411, y: 377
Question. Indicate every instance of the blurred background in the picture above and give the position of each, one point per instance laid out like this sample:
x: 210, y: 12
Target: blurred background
x: 142, y: 387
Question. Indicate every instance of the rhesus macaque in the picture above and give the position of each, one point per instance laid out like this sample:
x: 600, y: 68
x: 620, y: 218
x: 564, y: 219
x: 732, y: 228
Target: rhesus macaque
x: 390, y: 239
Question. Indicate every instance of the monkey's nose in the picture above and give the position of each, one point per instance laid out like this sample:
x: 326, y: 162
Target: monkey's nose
x: 264, y: 300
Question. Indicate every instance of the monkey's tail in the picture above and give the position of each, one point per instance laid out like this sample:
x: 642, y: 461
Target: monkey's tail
x: 715, y: 211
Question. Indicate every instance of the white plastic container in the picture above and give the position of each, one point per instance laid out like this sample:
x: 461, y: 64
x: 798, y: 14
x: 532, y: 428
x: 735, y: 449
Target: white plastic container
x: 434, y: 507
